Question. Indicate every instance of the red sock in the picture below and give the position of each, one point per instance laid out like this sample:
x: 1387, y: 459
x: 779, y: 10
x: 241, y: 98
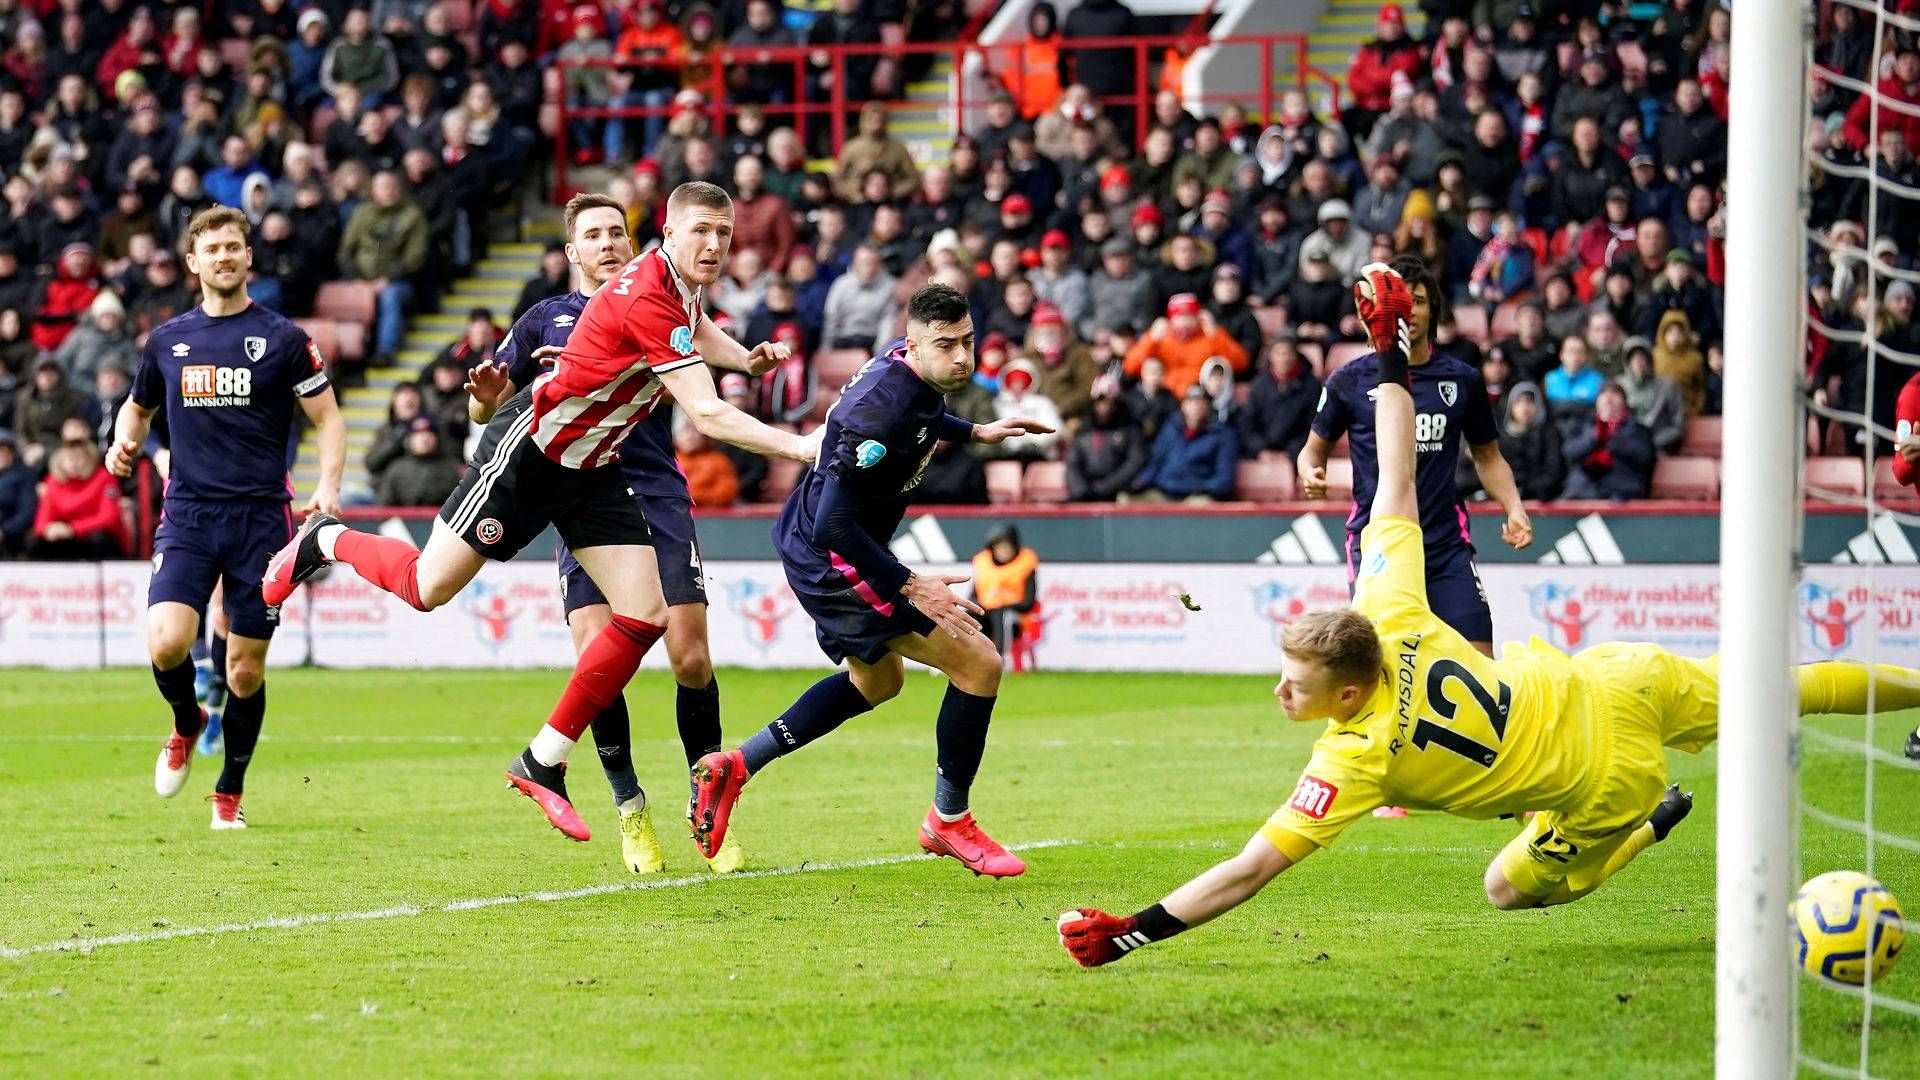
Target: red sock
x: 605, y: 667
x: 383, y: 561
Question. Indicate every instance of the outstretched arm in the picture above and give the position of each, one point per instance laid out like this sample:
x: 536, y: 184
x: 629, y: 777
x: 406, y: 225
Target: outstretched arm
x: 692, y: 388
x: 1095, y: 937
x: 1385, y: 304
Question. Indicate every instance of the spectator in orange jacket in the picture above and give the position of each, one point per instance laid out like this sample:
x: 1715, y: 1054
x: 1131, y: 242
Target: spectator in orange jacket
x: 79, y: 515
x: 710, y: 475
x: 1184, y: 341
x: 1371, y: 75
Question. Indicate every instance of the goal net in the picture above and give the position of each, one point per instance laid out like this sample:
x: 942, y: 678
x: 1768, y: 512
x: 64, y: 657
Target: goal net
x: 1856, y: 65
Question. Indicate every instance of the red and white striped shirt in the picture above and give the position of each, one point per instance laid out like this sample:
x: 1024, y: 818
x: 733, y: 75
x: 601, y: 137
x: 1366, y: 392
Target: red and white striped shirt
x: 636, y: 326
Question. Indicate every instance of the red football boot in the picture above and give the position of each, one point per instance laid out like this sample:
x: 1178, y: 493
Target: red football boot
x: 546, y: 785
x: 717, y: 780
x: 963, y: 840
x: 295, y: 563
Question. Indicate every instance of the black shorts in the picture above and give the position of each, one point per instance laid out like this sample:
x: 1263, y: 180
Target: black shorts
x: 514, y: 491
x: 200, y: 544
x: 675, y: 548
x: 854, y: 621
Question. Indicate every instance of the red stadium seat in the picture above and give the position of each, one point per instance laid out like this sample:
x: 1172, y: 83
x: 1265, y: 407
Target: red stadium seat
x: 1472, y: 321
x: 1885, y: 488
x: 1003, y: 481
x: 1267, y: 478
x: 782, y: 475
x: 1691, y: 478
x: 1346, y: 352
x: 1507, y: 314
x: 1703, y: 437
x: 1046, y: 482
x: 1316, y: 358
x: 325, y: 337
x: 353, y: 341
x: 1340, y: 479
x: 1830, y: 476
x: 346, y: 301
x: 459, y: 14
x: 836, y: 366
x: 1272, y: 319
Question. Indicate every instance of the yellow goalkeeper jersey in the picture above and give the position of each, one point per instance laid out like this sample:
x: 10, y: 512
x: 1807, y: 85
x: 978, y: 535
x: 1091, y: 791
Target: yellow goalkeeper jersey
x: 1447, y: 729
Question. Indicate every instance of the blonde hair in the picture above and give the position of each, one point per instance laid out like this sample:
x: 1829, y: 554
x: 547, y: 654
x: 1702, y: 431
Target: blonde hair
x: 1340, y: 639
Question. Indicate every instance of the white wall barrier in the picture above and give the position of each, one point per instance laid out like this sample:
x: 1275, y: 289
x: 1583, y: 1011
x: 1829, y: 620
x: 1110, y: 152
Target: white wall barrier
x: 1093, y: 616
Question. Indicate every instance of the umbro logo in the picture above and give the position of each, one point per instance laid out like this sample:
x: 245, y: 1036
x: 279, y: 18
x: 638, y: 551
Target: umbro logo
x: 563, y: 320
x: 182, y: 349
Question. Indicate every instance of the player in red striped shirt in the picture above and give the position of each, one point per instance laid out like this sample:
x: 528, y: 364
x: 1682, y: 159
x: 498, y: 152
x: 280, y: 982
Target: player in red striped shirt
x: 550, y: 456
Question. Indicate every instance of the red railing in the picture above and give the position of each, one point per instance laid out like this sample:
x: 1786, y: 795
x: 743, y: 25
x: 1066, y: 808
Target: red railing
x: 1006, y: 59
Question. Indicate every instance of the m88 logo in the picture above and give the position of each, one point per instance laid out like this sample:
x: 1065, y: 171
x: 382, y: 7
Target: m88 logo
x: 198, y: 382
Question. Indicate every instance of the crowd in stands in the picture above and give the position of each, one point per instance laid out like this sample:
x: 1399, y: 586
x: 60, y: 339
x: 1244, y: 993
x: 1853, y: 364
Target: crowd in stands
x: 1175, y: 299
x: 1176, y: 302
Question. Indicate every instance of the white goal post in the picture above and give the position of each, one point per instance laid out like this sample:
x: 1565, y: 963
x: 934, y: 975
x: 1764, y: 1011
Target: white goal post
x: 1759, y: 529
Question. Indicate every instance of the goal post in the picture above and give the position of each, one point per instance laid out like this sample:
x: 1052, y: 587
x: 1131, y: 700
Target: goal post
x: 1759, y: 530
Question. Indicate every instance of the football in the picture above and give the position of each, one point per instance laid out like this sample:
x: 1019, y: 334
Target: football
x: 1849, y: 928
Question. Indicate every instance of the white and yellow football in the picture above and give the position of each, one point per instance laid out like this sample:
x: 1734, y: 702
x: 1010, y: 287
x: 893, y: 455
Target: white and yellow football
x: 1849, y: 928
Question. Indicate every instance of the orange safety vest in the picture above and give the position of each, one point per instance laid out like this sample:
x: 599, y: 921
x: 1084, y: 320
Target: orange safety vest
x: 996, y: 585
x: 1034, y: 78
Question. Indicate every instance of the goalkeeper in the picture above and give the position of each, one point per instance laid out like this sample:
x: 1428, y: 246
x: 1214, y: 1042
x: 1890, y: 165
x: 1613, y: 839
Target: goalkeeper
x: 1417, y: 717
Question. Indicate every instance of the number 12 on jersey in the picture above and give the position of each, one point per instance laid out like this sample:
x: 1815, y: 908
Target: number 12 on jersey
x: 1427, y: 733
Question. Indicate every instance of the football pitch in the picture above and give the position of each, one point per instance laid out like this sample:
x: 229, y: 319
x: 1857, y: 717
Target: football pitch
x: 394, y: 911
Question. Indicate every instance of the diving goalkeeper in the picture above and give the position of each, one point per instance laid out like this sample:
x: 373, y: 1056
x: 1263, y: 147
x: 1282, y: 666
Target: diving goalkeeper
x: 1417, y: 717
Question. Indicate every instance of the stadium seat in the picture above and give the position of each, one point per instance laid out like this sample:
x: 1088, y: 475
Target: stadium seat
x: 1633, y: 59
x: 1272, y: 320
x: 1703, y: 437
x: 1340, y: 480
x: 1691, y: 478
x: 1339, y: 356
x: 835, y: 366
x: 1885, y: 488
x: 325, y: 337
x: 234, y: 53
x: 782, y: 475
x: 346, y: 301
x: 1267, y: 478
x: 1472, y: 322
x: 1830, y: 476
x: 1315, y: 356
x: 1003, y: 481
x: 1508, y: 312
x: 1046, y: 482
x: 353, y: 341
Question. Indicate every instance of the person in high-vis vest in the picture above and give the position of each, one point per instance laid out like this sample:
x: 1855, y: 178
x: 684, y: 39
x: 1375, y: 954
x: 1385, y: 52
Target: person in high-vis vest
x: 1006, y: 583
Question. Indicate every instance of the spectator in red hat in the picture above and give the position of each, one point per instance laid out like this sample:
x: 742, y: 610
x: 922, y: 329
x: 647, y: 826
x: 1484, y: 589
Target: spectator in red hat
x: 1065, y: 365
x: 1116, y: 189
x: 1184, y: 340
x: 1020, y: 395
x: 1147, y: 225
x: 1056, y: 281
x: 1016, y: 219
x: 1370, y: 77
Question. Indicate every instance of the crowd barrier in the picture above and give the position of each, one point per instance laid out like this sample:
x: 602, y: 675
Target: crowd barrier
x: 1092, y: 616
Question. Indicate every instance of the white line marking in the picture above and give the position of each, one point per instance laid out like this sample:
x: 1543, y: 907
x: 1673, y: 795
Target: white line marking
x: 407, y: 911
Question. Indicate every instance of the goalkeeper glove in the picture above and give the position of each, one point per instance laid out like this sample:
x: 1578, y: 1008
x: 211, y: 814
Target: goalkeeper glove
x: 1095, y: 937
x: 1385, y: 305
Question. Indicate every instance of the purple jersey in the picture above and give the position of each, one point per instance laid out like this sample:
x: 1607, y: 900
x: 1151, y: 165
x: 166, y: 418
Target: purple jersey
x: 1449, y: 403
x: 879, y: 438
x: 646, y: 458
x: 228, y: 386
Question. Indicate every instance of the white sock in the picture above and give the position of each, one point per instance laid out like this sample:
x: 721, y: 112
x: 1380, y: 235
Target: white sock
x: 633, y: 805
x: 951, y: 818
x: 550, y: 747
x: 325, y: 536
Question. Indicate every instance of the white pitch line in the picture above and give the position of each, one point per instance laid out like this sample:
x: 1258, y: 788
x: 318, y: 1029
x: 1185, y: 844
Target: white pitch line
x: 407, y: 911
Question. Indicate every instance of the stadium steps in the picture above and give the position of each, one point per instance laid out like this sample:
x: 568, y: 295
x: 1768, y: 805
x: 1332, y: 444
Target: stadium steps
x: 495, y: 284
x: 1342, y: 28
x: 925, y: 121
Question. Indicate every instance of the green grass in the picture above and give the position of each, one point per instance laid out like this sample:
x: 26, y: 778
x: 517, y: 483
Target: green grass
x: 374, y: 790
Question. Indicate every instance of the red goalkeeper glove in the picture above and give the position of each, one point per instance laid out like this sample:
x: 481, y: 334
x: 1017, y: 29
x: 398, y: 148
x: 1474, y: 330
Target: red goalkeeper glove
x: 1385, y: 305
x: 1095, y: 937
